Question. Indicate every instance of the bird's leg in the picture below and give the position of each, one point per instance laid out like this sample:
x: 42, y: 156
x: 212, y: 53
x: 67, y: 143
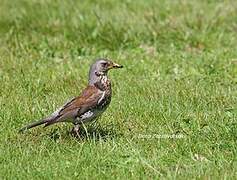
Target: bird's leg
x: 75, y: 130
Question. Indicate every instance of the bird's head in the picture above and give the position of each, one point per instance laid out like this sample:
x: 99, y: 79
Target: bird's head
x: 101, y: 67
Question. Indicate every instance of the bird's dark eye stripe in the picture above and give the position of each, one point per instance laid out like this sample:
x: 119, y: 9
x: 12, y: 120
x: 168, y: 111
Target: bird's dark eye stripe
x: 105, y: 64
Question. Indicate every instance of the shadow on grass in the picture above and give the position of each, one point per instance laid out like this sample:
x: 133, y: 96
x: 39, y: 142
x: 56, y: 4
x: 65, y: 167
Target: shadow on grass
x: 87, y: 133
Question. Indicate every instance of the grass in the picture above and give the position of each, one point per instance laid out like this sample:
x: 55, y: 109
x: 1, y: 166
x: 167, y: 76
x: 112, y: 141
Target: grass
x: 179, y: 80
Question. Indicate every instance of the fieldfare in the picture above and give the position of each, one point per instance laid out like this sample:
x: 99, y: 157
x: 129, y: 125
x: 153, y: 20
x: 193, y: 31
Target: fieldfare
x: 92, y: 102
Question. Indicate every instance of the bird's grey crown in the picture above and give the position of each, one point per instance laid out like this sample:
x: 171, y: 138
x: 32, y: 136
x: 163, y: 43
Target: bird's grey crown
x: 96, y: 71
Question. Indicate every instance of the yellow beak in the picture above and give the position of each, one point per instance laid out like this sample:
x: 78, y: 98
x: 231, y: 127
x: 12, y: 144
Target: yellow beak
x: 115, y: 65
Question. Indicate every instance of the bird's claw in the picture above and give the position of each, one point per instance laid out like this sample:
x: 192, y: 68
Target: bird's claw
x: 75, y: 131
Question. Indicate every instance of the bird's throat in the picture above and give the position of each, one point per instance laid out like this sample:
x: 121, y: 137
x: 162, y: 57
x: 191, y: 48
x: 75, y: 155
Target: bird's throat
x: 103, y: 83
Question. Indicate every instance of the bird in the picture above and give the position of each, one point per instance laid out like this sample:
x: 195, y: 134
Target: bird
x: 88, y: 106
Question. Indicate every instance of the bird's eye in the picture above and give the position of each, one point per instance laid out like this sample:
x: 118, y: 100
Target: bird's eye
x: 104, y: 64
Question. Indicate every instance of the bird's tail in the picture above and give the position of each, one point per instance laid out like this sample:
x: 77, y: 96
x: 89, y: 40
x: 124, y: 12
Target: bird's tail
x: 37, y: 123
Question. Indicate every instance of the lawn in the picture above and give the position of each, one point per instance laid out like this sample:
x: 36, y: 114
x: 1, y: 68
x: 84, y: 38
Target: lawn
x: 174, y: 107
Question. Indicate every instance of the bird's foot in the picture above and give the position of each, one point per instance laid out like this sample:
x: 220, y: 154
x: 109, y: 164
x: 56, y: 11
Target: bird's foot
x: 75, y: 131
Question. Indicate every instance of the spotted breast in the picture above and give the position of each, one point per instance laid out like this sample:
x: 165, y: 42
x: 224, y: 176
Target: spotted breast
x: 104, y: 86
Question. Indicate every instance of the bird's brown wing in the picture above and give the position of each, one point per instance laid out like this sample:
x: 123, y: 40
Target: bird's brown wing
x: 78, y: 105
x: 89, y: 97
